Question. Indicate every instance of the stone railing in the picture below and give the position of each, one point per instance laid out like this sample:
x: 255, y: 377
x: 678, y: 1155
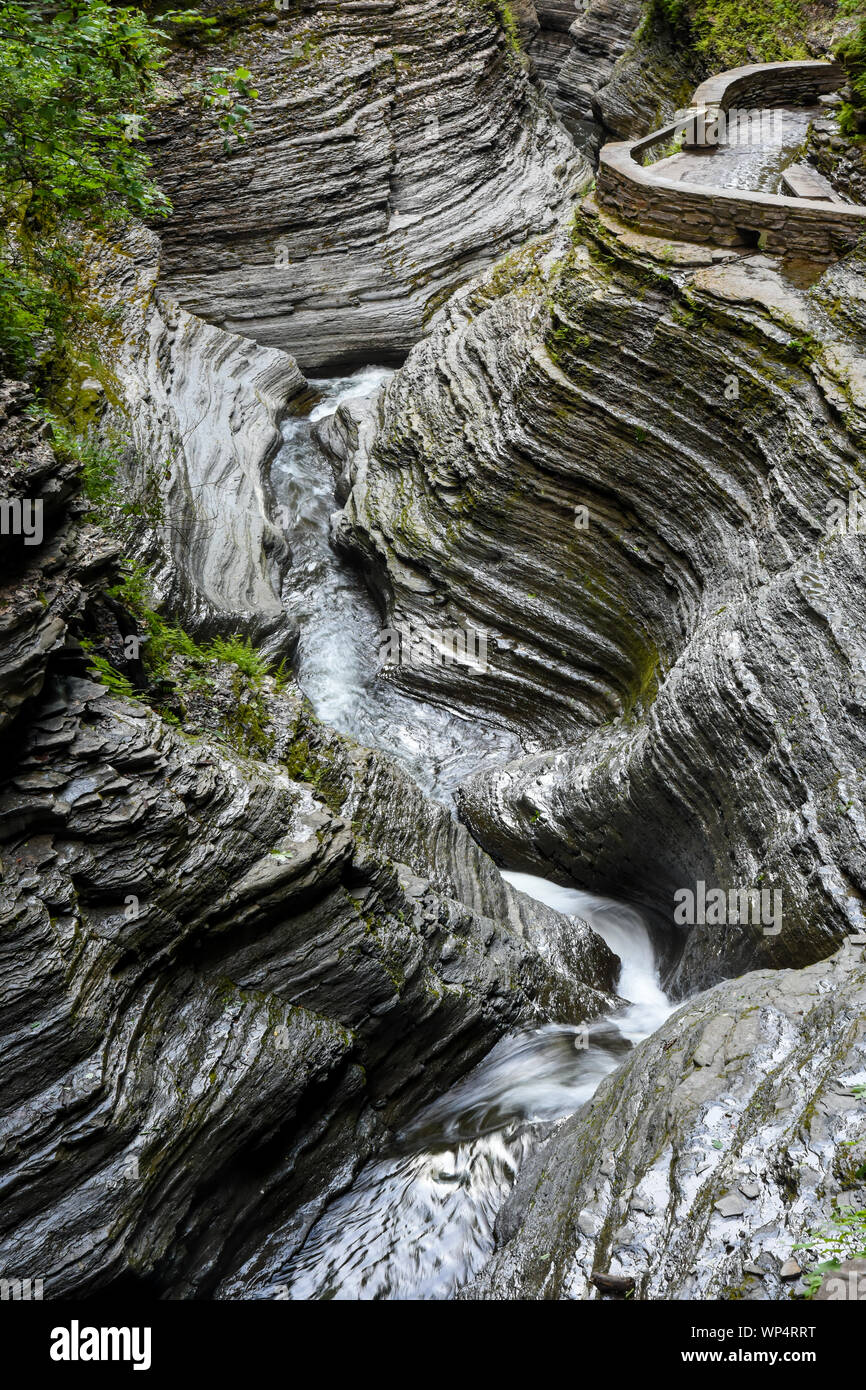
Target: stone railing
x: 812, y: 229
x: 770, y: 84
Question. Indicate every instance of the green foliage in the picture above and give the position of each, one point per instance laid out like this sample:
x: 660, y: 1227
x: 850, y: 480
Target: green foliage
x: 245, y: 724
x: 99, y: 454
x: 509, y: 24
x: 852, y: 51
x: 99, y: 460
x: 164, y: 640
x: 667, y: 148
x: 306, y: 763
x: 33, y: 307
x: 74, y: 82
x: 133, y: 591
x: 241, y: 652
x: 227, y: 93
x: 502, y: 12
x: 728, y: 33
x: 103, y: 671
x: 843, y: 1238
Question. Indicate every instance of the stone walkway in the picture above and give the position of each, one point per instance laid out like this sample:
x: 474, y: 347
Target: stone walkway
x: 735, y: 193
x: 775, y: 138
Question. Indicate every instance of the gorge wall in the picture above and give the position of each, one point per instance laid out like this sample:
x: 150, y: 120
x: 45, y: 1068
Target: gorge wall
x: 228, y: 977
x: 398, y: 148
x: 621, y: 458
x: 242, y: 951
x: 695, y: 1171
x: 239, y: 950
x: 198, y: 411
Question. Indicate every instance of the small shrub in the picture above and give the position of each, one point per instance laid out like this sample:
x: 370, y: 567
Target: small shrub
x: 241, y: 653
x: 852, y: 51
x: 726, y: 33
x: 843, y: 1238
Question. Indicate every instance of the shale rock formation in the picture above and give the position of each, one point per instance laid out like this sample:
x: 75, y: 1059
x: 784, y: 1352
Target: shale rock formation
x: 43, y: 584
x: 198, y: 410
x: 837, y: 157
x: 397, y: 149
x: 606, y: 71
x: 226, y: 979
x: 627, y: 461
x: 238, y: 951
x: 720, y: 1144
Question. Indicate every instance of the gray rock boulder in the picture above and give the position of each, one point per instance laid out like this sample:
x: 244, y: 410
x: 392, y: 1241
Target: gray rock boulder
x: 722, y: 1142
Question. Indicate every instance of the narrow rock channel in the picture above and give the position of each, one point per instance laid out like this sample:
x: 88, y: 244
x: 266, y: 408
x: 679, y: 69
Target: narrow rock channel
x: 338, y: 657
x: 432, y: 657
x: 419, y: 1225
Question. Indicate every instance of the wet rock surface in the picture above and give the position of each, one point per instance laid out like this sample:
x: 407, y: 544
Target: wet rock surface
x: 41, y: 585
x: 241, y: 955
x: 199, y: 411
x: 226, y: 979
x: 717, y: 1147
x: 622, y: 459
x: 219, y: 993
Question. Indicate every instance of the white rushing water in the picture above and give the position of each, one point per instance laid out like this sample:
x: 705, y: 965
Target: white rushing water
x: 337, y: 658
x: 419, y: 1223
x: 624, y: 930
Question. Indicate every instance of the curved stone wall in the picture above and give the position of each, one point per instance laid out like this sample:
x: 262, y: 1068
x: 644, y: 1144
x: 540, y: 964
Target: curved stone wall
x: 770, y: 84
x: 810, y: 228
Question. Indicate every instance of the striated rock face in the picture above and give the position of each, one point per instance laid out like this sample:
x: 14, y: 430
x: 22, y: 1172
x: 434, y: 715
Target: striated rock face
x: 200, y: 411
x: 226, y: 979
x: 392, y: 813
x: 46, y: 567
x: 238, y: 952
x: 283, y: 996
x: 606, y: 72
x: 623, y: 459
x: 550, y: 45
x: 397, y: 149
x: 722, y: 1142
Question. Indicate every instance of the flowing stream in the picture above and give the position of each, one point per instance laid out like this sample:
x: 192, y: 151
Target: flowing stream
x: 419, y: 1223
x: 336, y: 662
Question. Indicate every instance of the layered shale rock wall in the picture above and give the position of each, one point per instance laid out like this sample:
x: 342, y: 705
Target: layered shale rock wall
x: 622, y: 459
x: 198, y: 410
x: 606, y: 71
x: 551, y: 43
x: 397, y: 148
x: 226, y: 979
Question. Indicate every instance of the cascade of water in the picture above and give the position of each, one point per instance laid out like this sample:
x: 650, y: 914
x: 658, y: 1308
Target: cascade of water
x: 419, y: 1223
x: 337, y: 658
